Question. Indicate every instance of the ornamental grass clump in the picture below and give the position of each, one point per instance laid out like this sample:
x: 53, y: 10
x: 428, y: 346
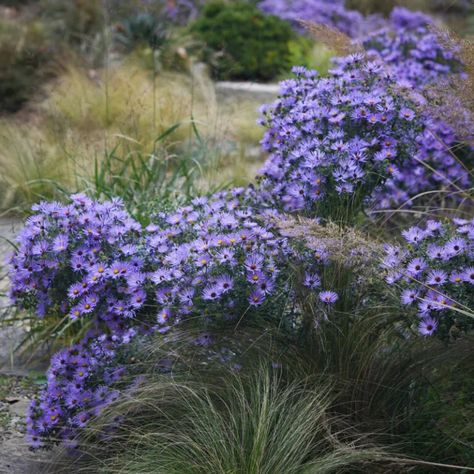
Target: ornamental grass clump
x: 334, y: 269
x: 434, y: 274
x: 333, y: 141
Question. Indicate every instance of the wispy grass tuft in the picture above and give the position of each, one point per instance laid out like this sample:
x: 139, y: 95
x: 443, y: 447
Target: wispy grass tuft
x: 233, y: 422
x: 31, y: 166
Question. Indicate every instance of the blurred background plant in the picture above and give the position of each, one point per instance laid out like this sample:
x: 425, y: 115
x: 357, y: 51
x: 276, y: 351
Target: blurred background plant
x: 26, y: 58
x: 86, y: 114
x: 242, y: 43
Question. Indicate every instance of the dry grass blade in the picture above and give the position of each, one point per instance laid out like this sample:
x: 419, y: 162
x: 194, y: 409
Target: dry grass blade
x: 333, y: 38
x: 453, y: 99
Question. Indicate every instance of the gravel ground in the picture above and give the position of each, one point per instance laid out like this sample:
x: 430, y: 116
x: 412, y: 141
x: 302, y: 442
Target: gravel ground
x: 17, y: 382
x: 9, y: 335
x: 15, y: 457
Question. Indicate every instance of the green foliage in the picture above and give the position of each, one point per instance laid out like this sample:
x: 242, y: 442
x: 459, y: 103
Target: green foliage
x: 74, y: 22
x: 142, y: 29
x: 441, y: 426
x: 148, y: 182
x: 25, y: 60
x: 211, y: 419
x: 243, y: 43
x: 305, y: 52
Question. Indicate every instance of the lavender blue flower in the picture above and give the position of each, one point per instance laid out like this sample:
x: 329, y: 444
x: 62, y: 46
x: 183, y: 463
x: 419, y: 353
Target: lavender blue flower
x: 435, y: 274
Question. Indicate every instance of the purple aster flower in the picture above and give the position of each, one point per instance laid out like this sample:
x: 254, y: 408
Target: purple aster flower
x: 257, y: 297
x: 225, y: 283
x: 468, y: 275
x: 414, y: 235
x: 427, y: 326
x: 436, y: 277
x: 455, y: 246
x: 254, y: 262
x: 416, y: 266
x: 255, y: 277
x: 328, y: 297
x: 60, y: 243
x: 436, y: 252
x: 407, y: 114
x: 212, y: 292
x: 456, y: 277
x: 163, y: 316
x: 409, y: 296
x: 266, y: 285
x: 311, y: 280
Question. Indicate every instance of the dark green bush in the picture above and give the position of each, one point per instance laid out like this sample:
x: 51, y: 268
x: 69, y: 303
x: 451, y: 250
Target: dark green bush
x: 242, y: 43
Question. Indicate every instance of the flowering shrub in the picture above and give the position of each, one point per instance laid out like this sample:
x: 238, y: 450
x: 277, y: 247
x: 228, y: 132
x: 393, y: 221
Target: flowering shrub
x: 358, y: 134
x: 333, y: 140
x: 417, y: 58
x: 212, y: 261
x: 435, y: 273
x: 80, y: 380
x: 89, y: 260
x: 409, y: 44
x: 331, y: 13
x: 74, y: 259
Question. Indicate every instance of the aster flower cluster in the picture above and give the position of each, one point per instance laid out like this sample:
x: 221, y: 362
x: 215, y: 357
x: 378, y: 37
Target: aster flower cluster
x: 333, y: 140
x: 331, y: 13
x: 81, y: 381
x: 414, y: 52
x: 75, y: 259
x: 435, y: 273
x: 411, y: 47
x: 415, y: 57
x: 214, y: 257
x: 91, y: 260
x: 440, y: 163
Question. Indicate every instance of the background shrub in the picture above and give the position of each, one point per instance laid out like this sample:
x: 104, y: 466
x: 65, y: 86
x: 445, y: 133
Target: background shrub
x: 25, y: 59
x: 243, y: 43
